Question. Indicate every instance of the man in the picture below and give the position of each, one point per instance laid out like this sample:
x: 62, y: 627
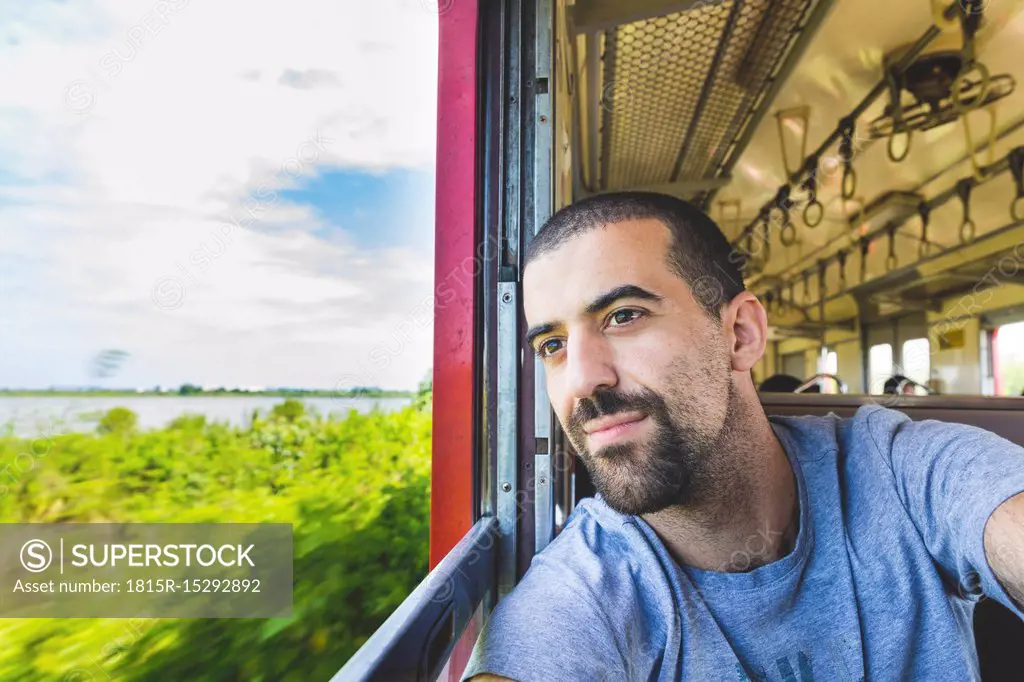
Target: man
x: 723, y: 545
x: 785, y: 383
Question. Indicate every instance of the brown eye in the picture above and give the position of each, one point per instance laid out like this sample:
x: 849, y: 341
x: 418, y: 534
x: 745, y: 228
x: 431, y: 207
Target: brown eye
x: 624, y: 316
x: 549, y: 347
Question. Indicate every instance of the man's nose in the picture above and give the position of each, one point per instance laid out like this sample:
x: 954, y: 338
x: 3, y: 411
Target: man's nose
x: 589, y: 365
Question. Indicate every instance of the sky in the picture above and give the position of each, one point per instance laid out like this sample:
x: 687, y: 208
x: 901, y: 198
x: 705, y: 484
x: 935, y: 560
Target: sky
x: 234, y: 193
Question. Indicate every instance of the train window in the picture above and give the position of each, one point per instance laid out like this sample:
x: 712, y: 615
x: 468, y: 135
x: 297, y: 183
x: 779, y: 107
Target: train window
x: 1008, y: 359
x: 216, y: 307
x: 916, y: 360
x: 987, y: 358
x: 879, y: 367
x: 831, y: 364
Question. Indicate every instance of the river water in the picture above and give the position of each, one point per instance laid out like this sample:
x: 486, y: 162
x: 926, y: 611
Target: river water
x: 36, y: 415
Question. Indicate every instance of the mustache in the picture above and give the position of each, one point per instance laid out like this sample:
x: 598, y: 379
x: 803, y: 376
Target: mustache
x: 604, y: 403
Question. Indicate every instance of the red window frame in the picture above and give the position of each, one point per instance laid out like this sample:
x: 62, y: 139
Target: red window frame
x: 451, y: 492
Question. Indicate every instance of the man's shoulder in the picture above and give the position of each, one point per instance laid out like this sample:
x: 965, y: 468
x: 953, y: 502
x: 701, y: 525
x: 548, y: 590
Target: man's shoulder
x: 872, y: 426
x: 882, y: 429
x: 808, y: 437
x: 877, y: 438
x: 861, y: 443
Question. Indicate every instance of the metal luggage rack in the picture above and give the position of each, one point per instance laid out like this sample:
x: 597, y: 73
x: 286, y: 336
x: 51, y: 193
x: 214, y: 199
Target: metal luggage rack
x: 674, y: 99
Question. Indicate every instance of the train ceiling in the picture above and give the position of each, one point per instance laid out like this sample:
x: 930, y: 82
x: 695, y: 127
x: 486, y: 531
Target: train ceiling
x: 726, y: 103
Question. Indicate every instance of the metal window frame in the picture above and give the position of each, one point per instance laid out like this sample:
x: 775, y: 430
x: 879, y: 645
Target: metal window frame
x: 507, y: 379
x: 543, y: 199
x: 415, y: 642
x: 521, y: 162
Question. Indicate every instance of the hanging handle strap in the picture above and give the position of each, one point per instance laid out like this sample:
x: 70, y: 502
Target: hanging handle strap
x: 1016, y: 160
x: 846, y: 153
x: 865, y: 246
x: 895, y: 80
x: 977, y: 169
x: 967, y: 228
x: 924, y: 248
x: 939, y: 16
x: 971, y: 12
x: 801, y: 114
x: 814, y: 211
x: 787, y: 235
x: 891, y: 262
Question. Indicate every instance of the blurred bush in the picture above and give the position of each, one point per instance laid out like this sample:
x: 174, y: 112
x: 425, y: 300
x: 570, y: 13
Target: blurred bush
x: 356, y: 490
x: 118, y: 420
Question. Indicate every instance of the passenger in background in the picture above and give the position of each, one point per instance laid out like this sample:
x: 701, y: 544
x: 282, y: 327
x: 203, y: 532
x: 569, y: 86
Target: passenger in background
x: 780, y: 383
x: 893, y: 383
x: 785, y: 383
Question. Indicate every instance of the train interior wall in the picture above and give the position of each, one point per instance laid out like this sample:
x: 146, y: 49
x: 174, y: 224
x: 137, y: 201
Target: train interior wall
x: 954, y: 332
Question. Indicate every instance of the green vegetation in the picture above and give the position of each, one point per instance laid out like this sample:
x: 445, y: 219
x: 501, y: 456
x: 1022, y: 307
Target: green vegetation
x: 356, y: 490
x: 118, y: 420
x: 1013, y: 378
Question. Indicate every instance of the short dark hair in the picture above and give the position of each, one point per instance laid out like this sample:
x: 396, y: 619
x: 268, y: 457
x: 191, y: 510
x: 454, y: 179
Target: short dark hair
x: 892, y: 384
x: 780, y: 383
x: 786, y: 383
x: 699, y: 252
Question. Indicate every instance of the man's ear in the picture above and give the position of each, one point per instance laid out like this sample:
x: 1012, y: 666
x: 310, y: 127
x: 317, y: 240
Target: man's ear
x: 746, y: 328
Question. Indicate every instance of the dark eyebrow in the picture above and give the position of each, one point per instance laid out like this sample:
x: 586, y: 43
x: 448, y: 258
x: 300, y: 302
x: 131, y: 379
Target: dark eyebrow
x: 598, y: 304
x: 537, y: 331
x: 624, y: 291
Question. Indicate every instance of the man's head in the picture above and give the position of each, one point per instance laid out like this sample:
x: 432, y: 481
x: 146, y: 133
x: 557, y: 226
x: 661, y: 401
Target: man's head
x: 637, y: 308
x: 894, y: 383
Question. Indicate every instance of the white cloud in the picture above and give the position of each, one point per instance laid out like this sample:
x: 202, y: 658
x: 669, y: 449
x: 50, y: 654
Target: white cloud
x: 122, y: 153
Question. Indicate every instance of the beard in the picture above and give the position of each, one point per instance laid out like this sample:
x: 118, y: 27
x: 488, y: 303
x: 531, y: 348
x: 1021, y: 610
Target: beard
x: 676, y: 464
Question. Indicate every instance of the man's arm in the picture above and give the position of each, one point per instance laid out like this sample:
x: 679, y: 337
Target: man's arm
x: 1004, y: 546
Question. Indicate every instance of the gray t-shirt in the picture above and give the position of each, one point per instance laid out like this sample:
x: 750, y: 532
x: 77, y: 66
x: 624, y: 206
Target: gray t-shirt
x: 881, y: 585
